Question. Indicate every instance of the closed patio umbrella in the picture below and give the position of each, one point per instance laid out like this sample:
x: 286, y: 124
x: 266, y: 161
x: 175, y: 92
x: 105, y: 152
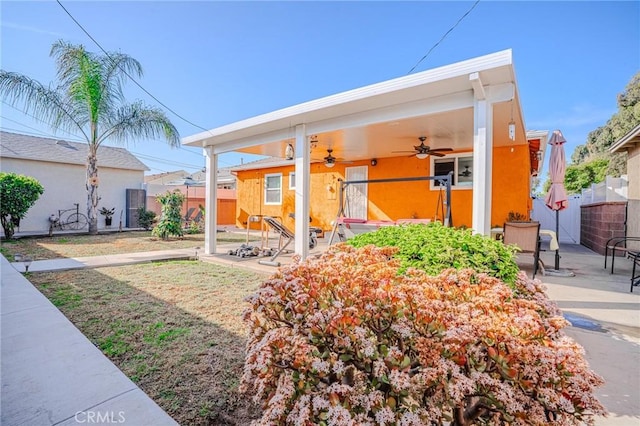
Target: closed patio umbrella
x: 557, y: 197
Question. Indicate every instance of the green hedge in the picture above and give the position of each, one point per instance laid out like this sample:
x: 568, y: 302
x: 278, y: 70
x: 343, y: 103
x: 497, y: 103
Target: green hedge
x: 434, y: 247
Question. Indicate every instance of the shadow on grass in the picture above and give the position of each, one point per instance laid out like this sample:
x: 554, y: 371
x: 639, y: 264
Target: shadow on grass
x: 174, y: 328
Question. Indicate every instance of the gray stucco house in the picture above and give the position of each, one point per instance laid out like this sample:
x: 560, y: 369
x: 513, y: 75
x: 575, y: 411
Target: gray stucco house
x: 60, y: 166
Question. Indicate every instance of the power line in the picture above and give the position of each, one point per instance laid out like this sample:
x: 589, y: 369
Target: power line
x: 38, y: 131
x: 125, y: 72
x: 444, y: 36
x: 162, y: 160
x: 51, y: 135
x: 78, y: 138
x: 23, y: 132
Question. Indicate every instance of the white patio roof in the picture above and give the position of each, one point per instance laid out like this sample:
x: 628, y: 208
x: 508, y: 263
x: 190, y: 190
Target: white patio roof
x: 466, y: 106
x: 373, y: 121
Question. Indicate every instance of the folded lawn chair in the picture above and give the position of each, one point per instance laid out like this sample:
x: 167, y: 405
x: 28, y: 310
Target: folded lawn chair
x: 286, y: 236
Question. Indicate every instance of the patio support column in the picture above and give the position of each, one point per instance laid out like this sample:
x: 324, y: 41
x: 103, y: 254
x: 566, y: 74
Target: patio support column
x: 482, y: 158
x: 211, y: 202
x: 303, y: 173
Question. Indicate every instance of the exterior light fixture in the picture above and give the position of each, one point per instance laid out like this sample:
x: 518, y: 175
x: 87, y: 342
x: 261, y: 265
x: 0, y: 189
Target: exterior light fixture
x: 288, y: 152
x: 374, y: 162
x: 27, y: 262
x: 421, y: 155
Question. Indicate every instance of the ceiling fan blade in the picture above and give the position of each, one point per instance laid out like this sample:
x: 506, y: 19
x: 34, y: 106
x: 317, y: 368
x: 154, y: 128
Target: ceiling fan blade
x: 399, y: 152
x: 435, y: 154
x: 442, y: 149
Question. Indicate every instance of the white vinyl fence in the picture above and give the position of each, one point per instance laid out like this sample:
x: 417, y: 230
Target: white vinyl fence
x: 569, y: 219
x: 612, y: 189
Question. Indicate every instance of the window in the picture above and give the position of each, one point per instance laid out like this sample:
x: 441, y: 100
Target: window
x: 273, y: 188
x: 292, y: 180
x: 461, y: 166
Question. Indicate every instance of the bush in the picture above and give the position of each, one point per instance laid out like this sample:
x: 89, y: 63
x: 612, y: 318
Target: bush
x: 434, y: 248
x: 346, y: 339
x: 171, y: 217
x: 18, y: 193
x: 146, y: 218
x: 193, y: 228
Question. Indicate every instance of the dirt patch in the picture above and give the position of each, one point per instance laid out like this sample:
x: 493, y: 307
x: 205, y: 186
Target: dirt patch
x: 174, y: 328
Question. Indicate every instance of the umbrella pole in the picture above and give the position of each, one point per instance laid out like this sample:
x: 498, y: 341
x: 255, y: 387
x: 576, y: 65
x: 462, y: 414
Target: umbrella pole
x: 558, y: 237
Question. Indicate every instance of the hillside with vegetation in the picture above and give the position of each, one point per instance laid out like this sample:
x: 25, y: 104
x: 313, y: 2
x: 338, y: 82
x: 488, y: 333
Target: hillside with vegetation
x: 592, y: 161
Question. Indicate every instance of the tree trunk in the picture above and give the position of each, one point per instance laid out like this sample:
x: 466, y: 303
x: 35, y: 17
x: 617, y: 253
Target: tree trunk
x: 92, y: 191
x: 7, y: 226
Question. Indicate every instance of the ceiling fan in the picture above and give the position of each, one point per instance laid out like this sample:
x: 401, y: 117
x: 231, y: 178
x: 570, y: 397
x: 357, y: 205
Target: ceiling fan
x: 330, y: 160
x: 466, y: 172
x: 422, y: 151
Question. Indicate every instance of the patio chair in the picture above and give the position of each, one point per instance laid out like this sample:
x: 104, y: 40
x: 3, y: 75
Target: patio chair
x: 620, y: 244
x: 189, y: 213
x: 525, y: 235
x: 635, y: 277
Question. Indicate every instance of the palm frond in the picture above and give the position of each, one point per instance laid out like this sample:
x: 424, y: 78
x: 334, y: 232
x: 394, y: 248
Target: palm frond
x: 118, y: 68
x: 138, y: 121
x: 43, y: 102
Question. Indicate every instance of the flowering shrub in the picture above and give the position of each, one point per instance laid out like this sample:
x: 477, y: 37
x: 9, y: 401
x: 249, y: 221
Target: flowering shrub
x: 346, y: 340
x: 434, y: 248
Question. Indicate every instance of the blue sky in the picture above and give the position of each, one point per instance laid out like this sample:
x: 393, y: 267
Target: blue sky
x: 218, y: 62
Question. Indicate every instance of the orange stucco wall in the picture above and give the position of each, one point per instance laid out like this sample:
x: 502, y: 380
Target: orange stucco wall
x: 391, y: 201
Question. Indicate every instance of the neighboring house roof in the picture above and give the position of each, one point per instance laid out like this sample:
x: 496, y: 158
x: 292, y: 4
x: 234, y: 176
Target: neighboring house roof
x: 25, y: 147
x: 626, y: 142
x: 171, y: 178
x: 164, y: 178
x: 263, y: 163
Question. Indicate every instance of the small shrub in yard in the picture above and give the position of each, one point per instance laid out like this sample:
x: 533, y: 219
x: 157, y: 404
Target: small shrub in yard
x: 434, y: 248
x: 146, y: 218
x: 171, y: 217
x: 347, y: 340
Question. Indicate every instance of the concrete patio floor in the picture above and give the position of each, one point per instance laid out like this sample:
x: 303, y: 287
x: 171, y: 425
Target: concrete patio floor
x: 50, y: 371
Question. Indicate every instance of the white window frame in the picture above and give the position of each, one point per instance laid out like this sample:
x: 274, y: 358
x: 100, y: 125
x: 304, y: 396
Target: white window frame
x: 456, y: 170
x: 267, y: 189
x: 292, y: 180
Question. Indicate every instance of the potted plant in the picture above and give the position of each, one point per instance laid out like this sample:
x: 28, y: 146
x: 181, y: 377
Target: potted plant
x: 108, y: 215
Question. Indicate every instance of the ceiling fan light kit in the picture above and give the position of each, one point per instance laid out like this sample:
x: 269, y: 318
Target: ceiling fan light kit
x: 422, y: 151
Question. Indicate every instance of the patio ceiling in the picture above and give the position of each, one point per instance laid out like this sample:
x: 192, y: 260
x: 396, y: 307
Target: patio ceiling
x: 377, y: 120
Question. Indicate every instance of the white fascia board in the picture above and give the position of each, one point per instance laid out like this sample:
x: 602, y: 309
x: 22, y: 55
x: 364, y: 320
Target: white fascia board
x: 252, y: 140
x: 319, y: 109
x: 626, y: 139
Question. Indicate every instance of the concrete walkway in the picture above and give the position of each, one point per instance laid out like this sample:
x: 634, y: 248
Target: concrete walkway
x: 52, y: 374
x: 105, y: 260
x: 50, y: 371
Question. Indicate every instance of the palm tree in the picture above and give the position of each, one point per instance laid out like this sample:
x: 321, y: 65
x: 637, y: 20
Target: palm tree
x: 88, y: 100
